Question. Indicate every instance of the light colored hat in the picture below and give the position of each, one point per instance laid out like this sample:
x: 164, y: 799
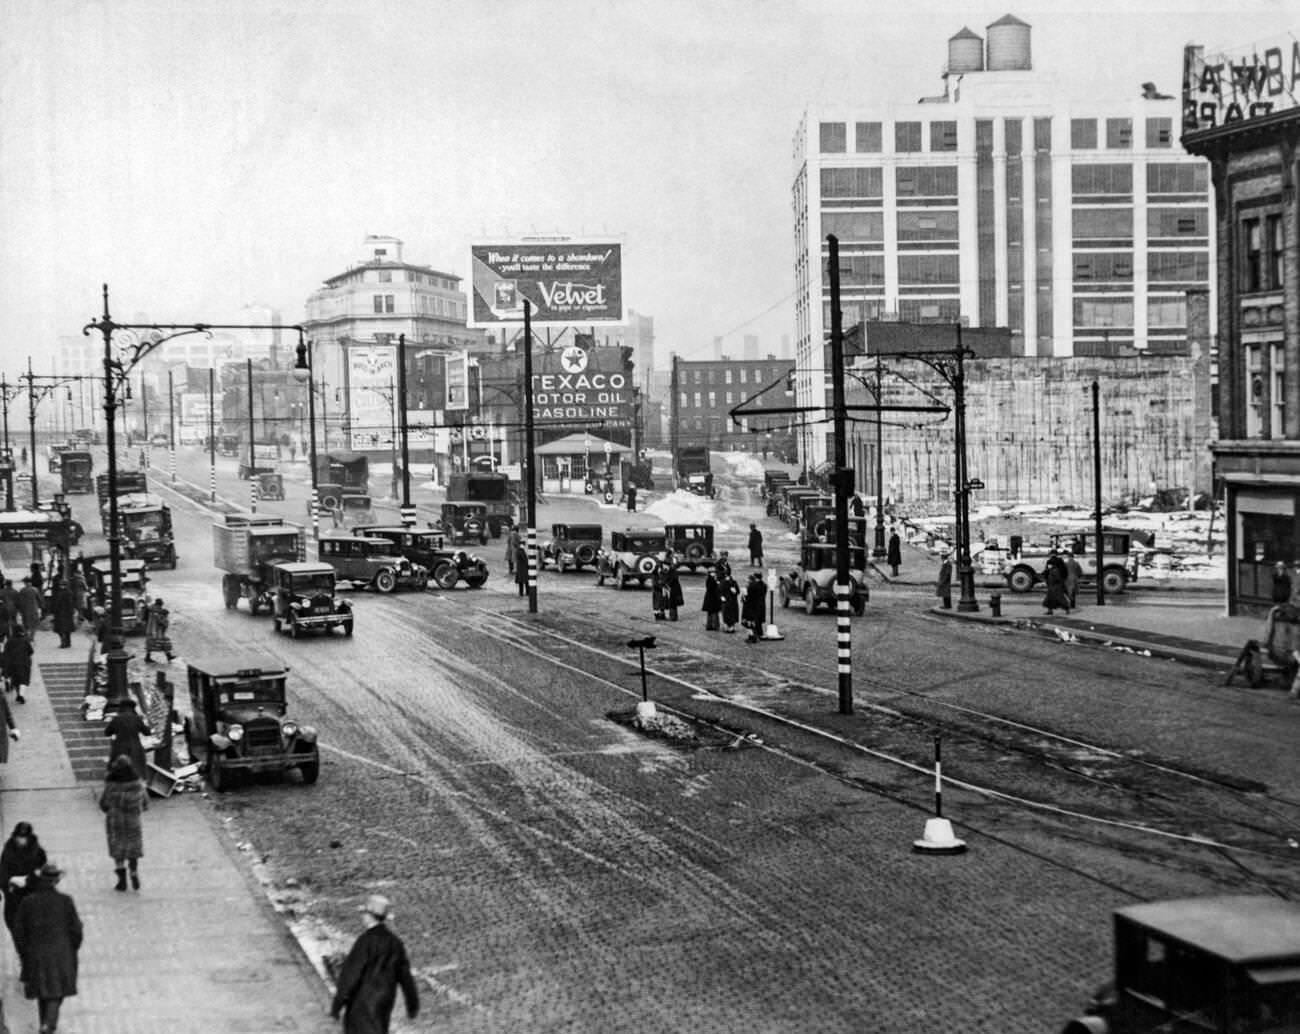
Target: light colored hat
x: 377, y: 905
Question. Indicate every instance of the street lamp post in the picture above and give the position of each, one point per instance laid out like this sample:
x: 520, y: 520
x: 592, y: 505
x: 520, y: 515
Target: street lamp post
x: 36, y: 392
x: 530, y: 457
x: 408, y: 511
x: 302, y: 371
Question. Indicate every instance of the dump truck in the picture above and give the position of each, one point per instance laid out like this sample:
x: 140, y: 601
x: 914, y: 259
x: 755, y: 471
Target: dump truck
x: 245, y: 546
x: 492, y: 489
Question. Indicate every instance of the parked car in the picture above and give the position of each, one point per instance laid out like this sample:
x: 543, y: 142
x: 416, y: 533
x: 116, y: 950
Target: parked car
x: 304, y: 599
x: 447, y: 567
x: 573, y: 546
x: 239, y: 720
x: 633, y: 555
x: 270, y: 485
x: 691, y: 544
x: 1221, y: 964
x: 370, y: 562
x: 134, y: 579
x: 1025, y: 565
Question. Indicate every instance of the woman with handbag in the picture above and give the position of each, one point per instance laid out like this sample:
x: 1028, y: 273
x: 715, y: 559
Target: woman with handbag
x: 123, y: 802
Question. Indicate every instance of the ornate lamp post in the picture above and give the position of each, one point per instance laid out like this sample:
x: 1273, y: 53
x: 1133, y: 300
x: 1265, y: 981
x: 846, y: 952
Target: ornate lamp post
x: 302, y: 372
x: 36, y: 393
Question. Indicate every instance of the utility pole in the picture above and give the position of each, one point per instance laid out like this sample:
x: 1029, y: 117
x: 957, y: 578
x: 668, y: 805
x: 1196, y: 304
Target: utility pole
x: 674, y: 434
x: 1096, y: 488
x: 879, y: 550
x: 965, y: 572
x: 530, y: 458
x: 408, y: 511
x: 843, y: 482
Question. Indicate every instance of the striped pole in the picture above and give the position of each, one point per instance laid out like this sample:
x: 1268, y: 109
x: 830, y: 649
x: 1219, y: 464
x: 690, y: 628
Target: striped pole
x: 531, y: 548
x: 252, y: 495
x: 171, y: 463
x: 408, y: 516
x: 212, y: 482
x: 938, y: 777
x: 843, y: 632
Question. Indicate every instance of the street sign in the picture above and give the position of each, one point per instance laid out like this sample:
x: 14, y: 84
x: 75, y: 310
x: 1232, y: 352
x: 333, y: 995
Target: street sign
x: 974, y: 483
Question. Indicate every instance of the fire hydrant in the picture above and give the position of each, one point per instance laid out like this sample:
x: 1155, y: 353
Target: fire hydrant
x: 995, y: 604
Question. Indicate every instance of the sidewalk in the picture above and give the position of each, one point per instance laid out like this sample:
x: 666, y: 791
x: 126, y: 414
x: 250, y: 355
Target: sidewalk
x: 199, y: 945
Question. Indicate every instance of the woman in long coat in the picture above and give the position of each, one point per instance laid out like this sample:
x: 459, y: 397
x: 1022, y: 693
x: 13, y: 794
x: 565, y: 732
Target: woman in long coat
x: 63, y: 608
x: 673, y: 597
x: 712, y: 606
x: 755, y: 606
x: 730, y: 591
x: 47, y: 931
x: 17, y: 660
x: 894, y: 555
x: 1057, y: 598
x: 156, y: 637
x: 123, y: 802
x: 20, y: 861
x: 126, y: 728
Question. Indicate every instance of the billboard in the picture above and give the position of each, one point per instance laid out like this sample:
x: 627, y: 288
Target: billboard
x: 1225, y: 88
x: 567, y: 280
x: 579, y: 385
x: 371, y: 370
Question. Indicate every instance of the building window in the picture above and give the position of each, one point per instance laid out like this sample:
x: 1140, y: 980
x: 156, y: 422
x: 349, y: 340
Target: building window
x: 383, y: 303
x: 867, y: 137
x: 1273, y: 256
x: 1251, y: 257
x: 907, y: 137
x: 1083, y: 134
x: 727, y: 376
x: 926, y: 181
x: 1166, y: 313
x: 728, y: 398
x: 855, y: 226
x: 713, y: 400
x: 932, y: 225
x: 1160, y: 132
x: 832, y: 138
x: 1103, y: 224
x: 1102, y: 179
x: 1277, y: 367
x: 385, y: 276
x: 743, y: 371
x: 860, y: 271
x: 928, y: 270
x: 1178, y: 267
x: 1119, y: 133
x: 1103, y: 313
x: 852, y: 183
x: 943, y: 136
x: 697, y: 376
x: 1177, y: 222
x: 1253, y: 356
x: 684, y: 401
x: 1103, y: 266
x: 1177, y: 178
x: 698, y: 400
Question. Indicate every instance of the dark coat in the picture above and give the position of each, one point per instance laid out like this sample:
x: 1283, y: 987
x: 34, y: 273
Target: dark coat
x: 521, y: 567
x: 29, y: 606
x: 18, y: 659
x: 673, y: 589
x: 1282, y: 588
x: 755, y: 606
x: 64, y: 609
x: 123, y: 802
x: 895, y: 555
x: 6, y: 723
x: 755, y: 542
x: 730, y: 600
x: 126, y: 727
x: 156, y: 623
x: 367, y: 990
x: 712, y: 594
x: 47, y: 933
x: 943, y: 586
x: 18, y: 861
x: 1057, y: 598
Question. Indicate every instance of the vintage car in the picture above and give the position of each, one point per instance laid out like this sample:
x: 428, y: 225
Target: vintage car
x: 1024, y: 565
x: 464, y: 522
x: 353, y: 510
x: 371, y: 563
x: 270, y: 485
x: 239, y: 720
x: 633, y: 555
x: 812, y: 579
x: 572, y: 546
x: 303, y: 599
x: 691, y: 545
x: 447, y: 567
x: 134, y: 581
x: 1220, y: 964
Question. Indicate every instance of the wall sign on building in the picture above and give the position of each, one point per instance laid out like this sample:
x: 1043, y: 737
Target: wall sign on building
x: 577, y: 385
x: 567, y: 280
x: 1237, y: 86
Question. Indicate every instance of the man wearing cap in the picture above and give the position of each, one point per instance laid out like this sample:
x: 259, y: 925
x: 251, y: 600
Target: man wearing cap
x: 372, y: 972
x: 47, y: 931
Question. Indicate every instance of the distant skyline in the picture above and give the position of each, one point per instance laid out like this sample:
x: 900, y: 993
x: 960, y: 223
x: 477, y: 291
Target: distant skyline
x: 204, y: 156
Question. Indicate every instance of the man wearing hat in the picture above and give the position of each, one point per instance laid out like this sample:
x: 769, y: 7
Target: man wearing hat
x: 47, y: 932
x: 372, y: 972
x: 29, y: 607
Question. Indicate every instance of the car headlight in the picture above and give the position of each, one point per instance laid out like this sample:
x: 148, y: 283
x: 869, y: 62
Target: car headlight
x: 289, y: 728
x: 235, y: 733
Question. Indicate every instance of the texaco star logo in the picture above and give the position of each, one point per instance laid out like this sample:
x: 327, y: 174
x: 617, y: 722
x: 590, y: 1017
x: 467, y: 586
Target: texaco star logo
x: 573, y: 359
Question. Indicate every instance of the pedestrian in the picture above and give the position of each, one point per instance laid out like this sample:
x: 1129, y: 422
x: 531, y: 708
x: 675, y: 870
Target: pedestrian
x: 80, y: 591
x: 29, y: 607
x: 38, y: 579
x: 894, y: 553
x: 1281, y: 583
x: 754, y: 609
x: 712, y: 606
x: 20, y: 861
x: 943, y: 586
x: 730, y: 591
x: 631, y: 498
x: 673, y: 597
x: 512, y: 548
x: 17, y: 661
x: 521, y: 570
x: 1073, y: 576
x: 9, y: 597
x: 755, y: 546
x: 123, y: 802
x: 157, y: 621
x: 658, y: 593
x: 47, y: 931
x: 126, y: 727
x: 1054, y: 572
x: 372, y: 972
x: 63, y: 609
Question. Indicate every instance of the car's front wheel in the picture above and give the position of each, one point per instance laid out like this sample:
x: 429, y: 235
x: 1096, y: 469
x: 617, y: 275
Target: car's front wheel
x: 385, y: 580
x: 445, y: 575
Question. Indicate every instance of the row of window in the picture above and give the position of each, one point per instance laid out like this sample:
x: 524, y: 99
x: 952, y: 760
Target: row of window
x: 940, y: 181
x: 730, y: 398
x: 388, y: 276
x: 910, y: 137
x: 715, y: 376
x: 1117, y: 223
x: 1088, y: 224
x: 1162, y: 266
x: 1105, y: 313
x: 385, y: 303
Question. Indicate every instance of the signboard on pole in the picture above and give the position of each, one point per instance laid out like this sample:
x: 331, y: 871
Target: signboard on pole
x: 568, y: 280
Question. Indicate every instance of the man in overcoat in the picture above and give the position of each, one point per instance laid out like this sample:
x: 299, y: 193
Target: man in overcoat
x: 47, y: 931
x: 372, y: 972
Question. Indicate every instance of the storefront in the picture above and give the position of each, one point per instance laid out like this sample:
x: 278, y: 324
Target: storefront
x: 582, y: 464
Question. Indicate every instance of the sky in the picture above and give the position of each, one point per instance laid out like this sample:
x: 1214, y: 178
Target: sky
x: 200, y: 156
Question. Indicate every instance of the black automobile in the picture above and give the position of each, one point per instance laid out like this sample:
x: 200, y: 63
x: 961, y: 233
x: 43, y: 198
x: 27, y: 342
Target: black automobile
x: 427, y: 547
x: 573, y: 546
x: 692, y: 545
x: 464, y: 522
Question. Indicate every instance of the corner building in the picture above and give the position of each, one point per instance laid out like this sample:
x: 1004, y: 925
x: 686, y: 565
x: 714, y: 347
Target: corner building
x: 1004, y: 201
x: 1243, y: 116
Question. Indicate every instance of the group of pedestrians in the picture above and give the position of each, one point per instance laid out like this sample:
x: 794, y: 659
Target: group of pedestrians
x: 1062, y: 575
